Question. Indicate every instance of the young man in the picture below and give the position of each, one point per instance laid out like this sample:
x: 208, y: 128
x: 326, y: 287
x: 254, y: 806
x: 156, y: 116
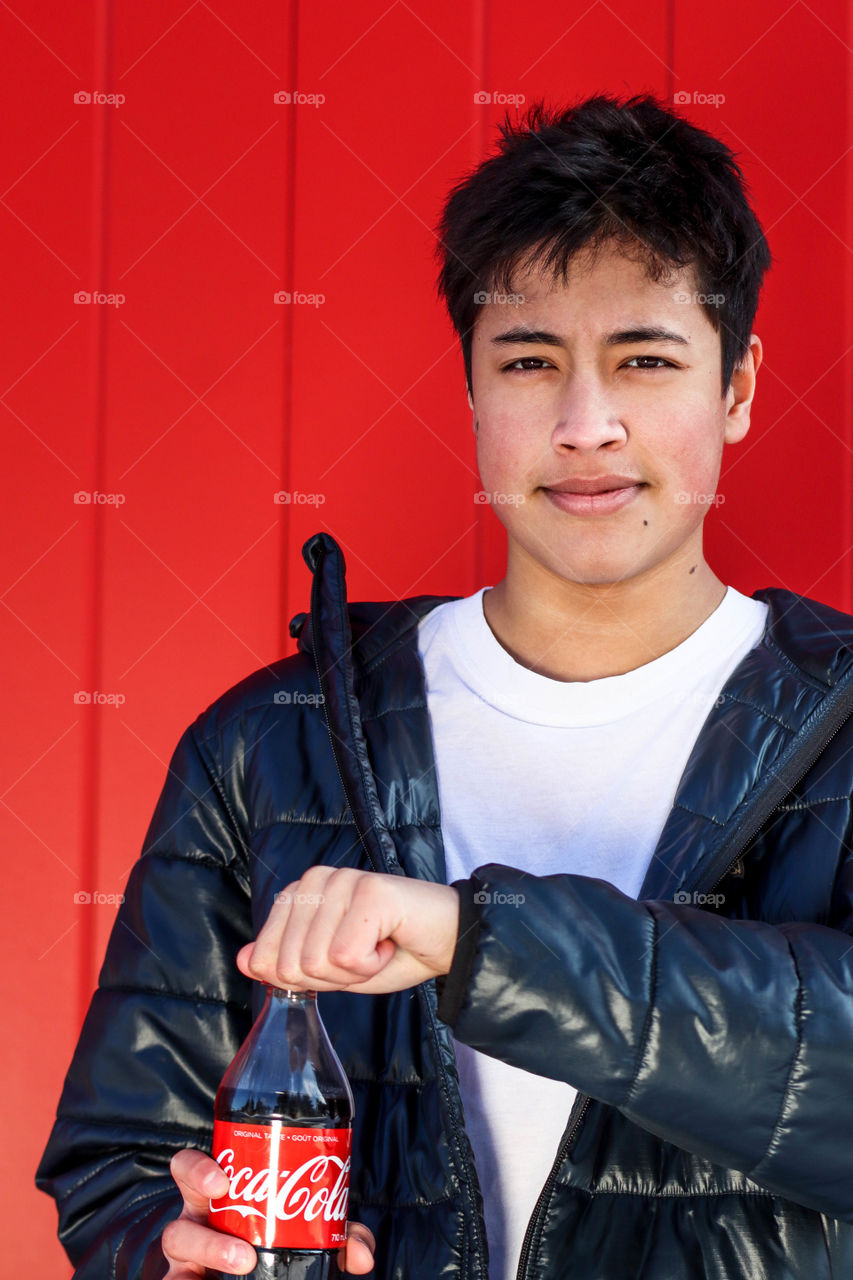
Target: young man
x: 576, y: 847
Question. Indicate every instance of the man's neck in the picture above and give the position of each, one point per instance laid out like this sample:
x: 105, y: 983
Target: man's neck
x: 590, y: 634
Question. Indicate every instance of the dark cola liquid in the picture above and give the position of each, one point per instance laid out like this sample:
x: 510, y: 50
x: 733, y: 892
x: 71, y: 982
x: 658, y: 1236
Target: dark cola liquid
x: 287, y: 1264
x: 234, y: 1105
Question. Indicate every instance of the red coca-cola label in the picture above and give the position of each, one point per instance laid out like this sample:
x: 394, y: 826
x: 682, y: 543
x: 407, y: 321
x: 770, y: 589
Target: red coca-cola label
x: 289, y: 1187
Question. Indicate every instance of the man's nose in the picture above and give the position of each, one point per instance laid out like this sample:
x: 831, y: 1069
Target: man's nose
x: 586, y: 417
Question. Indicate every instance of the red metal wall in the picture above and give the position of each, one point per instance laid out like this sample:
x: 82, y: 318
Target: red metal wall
x: 189, y: 403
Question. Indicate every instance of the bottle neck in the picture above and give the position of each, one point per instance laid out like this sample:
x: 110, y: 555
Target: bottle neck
x: 289, y: 995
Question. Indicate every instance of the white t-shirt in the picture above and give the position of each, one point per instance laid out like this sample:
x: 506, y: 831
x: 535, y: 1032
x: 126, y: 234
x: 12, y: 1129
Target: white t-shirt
x: 555, y: 776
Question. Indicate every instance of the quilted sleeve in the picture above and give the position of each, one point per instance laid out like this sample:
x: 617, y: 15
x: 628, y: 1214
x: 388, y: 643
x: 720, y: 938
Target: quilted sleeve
x: 732, y: 1039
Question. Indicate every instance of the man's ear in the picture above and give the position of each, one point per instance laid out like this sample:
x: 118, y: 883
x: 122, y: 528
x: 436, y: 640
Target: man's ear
x: 742, y: 391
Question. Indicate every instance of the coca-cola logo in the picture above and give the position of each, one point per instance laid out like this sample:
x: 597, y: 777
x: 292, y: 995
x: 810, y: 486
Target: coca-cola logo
x: 287, y: 1187
x: 295, y: 1197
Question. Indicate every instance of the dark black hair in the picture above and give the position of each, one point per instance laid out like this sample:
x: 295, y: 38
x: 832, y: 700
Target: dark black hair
x: 634, y: 172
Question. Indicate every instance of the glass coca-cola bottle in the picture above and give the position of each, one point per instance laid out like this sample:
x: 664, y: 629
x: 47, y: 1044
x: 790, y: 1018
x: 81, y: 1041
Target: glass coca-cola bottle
x: 283, y: 1133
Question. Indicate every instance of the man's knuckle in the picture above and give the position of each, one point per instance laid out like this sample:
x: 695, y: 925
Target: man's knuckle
x: 316, y: 872
x: 340, y: 953
x: 341, y: 876
x: 364, y: 886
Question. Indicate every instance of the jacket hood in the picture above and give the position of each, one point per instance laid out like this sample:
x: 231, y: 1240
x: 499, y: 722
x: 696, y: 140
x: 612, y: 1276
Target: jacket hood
x: 375, y: 624
x: 811, y: 635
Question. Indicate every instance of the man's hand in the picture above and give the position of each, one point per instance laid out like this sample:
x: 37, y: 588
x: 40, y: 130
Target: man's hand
x: 189, y: 1245
x: 342, y: 929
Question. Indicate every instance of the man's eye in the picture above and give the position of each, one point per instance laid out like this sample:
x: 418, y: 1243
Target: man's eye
x: 512, y: 368
x: 532, y: 364
x: 658, y: 362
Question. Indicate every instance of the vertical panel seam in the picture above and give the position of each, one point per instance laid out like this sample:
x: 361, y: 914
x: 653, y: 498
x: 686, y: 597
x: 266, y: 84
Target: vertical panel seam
x: 480, y: 13
x: 92, y: 751
x: 285, y: 641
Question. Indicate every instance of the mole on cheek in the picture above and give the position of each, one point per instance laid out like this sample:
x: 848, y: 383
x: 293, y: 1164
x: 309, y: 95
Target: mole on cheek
x: 645, y: 522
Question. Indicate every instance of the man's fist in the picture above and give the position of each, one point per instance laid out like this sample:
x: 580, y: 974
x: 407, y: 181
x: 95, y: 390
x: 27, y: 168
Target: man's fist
x: 342, y: 929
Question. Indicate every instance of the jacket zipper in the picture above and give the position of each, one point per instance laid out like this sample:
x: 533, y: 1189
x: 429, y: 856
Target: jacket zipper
x: 479, y: 1250
x: 578, y: 1111
x: 794, y: 771
x: 344, y: 787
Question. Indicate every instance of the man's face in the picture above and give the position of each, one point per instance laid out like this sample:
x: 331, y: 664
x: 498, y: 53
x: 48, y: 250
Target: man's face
x: 581, y: 405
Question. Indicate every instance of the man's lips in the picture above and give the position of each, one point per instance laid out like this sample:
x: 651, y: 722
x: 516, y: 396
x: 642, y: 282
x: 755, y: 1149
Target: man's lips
x: 597, y: 503
x: 594, y: 484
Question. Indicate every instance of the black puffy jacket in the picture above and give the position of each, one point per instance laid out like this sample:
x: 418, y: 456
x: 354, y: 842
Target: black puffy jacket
x: 712, y: 1040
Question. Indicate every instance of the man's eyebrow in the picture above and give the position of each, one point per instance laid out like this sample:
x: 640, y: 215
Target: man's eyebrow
x: 619, y: 337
